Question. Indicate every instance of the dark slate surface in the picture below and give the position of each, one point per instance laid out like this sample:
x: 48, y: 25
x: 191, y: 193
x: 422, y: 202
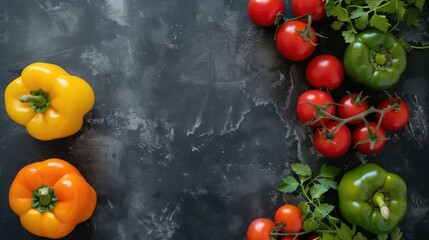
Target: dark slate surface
x: 194, y: 121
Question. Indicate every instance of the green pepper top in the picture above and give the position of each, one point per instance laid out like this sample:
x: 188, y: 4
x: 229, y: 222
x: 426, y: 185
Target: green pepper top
x: 372, y: 198
x: 375, y: 59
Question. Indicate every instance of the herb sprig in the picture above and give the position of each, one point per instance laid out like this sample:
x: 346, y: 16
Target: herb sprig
x: 355, y: 15
x: 316, y: 213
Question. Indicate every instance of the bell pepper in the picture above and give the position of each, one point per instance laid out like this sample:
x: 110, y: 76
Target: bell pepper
x: 372, y: 198
x: 51, y: 197
x: 375, y: 59
x: 48, y: 101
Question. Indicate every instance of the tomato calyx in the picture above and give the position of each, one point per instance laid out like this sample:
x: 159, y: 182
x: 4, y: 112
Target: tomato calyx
x: 305, y: 34
x: 279, y: 231
x: 394, y: 101
x: 372, y: 136
x: 359, y: 99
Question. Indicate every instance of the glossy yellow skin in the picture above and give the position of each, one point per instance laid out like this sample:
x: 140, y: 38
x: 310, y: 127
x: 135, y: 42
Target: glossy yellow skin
x: 76, y: 198
x: 70, y: 99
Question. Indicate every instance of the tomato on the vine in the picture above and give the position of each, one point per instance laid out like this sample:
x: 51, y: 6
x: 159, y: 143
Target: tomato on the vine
x: 361, y: 133
x: 307, y: 113
x: 314, y: 7
x: 264, y: 12
x: 260, y: 229
x: 332, y: 146
x: 351, y: 105
x: 325, y: 71
x: 291, y: 216
x: 394, y: 119
x: 293, y: 43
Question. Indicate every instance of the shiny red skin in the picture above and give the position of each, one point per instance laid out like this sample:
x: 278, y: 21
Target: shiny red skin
x: 347, y: 108
x: 291, y: 215
x: 395, y: 119
x: 314, y: 7
x: 291, y: 44
x: 325, y: 71
x: 264, y: 12
x: 335, y: 147
x: 306, y: 113
x: 260, y: 229
x: 361, y: 132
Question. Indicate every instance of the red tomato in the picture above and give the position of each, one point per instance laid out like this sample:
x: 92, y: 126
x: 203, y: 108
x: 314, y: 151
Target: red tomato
x: 306, y: 113
x: 348, y: 107
x: 291, y: 44
x: 313, y: 7
x: 394, y: 119
x: 336, y: 146
x: 291, y: 216
x: 361, y: 133
x: 264, y: 12
x: 260, y: 229
x: 325, y: 71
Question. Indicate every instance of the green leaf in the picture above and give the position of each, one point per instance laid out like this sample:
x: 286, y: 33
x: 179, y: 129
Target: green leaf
x: 357, y: 13
x: 341, y: 13
x: 382, y: 237
x: 411, y: 16
x: 309, y: 225
x: 349, y: 35
x: 328, y: 182
x: 396, y: 234
x: 420, y: 4
x: 380, y: 22
x: 346, y: 233
x: 304, y: 207
x: 328, y: 171
x: 359, y: 236
x: 318, y: 190
x: 290, y: 184
x: 328, y: 236
x: 401, y: 9
x: 322, y: 211
x: 373, y: 4
x: 301, y: 169
x: 389, y: 8
x: 362, y: 22
x: 329, y: 8
x: 336, y: 25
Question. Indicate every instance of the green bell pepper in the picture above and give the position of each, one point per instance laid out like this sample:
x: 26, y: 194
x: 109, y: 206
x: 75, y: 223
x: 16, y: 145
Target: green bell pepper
x: 372, y: 198
x: 375, y: 59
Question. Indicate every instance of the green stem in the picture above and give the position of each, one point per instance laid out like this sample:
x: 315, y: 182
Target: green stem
x: 39, y: 100
x: 419, y: 47
x: 378, y: 200
x: 44, y: 199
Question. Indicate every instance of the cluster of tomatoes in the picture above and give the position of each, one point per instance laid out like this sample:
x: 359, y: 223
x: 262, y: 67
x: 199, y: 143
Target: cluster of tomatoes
x: 287, y: 218
x: 295, y: 39
x: 368, y: 136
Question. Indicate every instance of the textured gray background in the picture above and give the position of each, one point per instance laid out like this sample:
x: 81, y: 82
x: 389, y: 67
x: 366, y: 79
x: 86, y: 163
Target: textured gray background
x: 194, y: 122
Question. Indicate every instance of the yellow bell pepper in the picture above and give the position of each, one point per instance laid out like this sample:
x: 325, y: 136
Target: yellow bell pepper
x: 48, y: 101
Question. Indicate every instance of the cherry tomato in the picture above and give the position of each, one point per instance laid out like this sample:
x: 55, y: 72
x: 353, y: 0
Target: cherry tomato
x: 264, y: 12
x: 314, y: 7
x: 333, y: 147
x: 394, y: 119
x: 361, y: 132
x: 260, y: 229
x: 291, y: 44
x: 306, y: 113
x: 348, y: 107
x: 325, y: 71
x: 291, y: 215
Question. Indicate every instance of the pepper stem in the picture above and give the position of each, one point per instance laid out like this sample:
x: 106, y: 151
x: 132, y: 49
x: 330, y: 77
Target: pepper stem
x: 380, y: 58
x: 44, y: 199
x: 378, y: 199
x: 39, y: 100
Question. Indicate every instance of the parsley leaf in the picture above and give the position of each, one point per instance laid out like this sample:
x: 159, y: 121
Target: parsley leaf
x: 380, y: 22
x: 420, y: 4
x: 323, y: 210
x: 396, y: 234
x: 359, y: 236
x: 349, y: 35
x: 317, y: 190
x: 288, y: 185
x: 336, y: 25
x: 345, y: 232
x: 329, y: 171
x: 382, y: 237
x: 309, y: 225
x: 301, y: 169
x: 362, y: 22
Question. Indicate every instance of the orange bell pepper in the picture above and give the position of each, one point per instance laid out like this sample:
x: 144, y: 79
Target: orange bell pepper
x: 48, y: 101
x: 51, y: 198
